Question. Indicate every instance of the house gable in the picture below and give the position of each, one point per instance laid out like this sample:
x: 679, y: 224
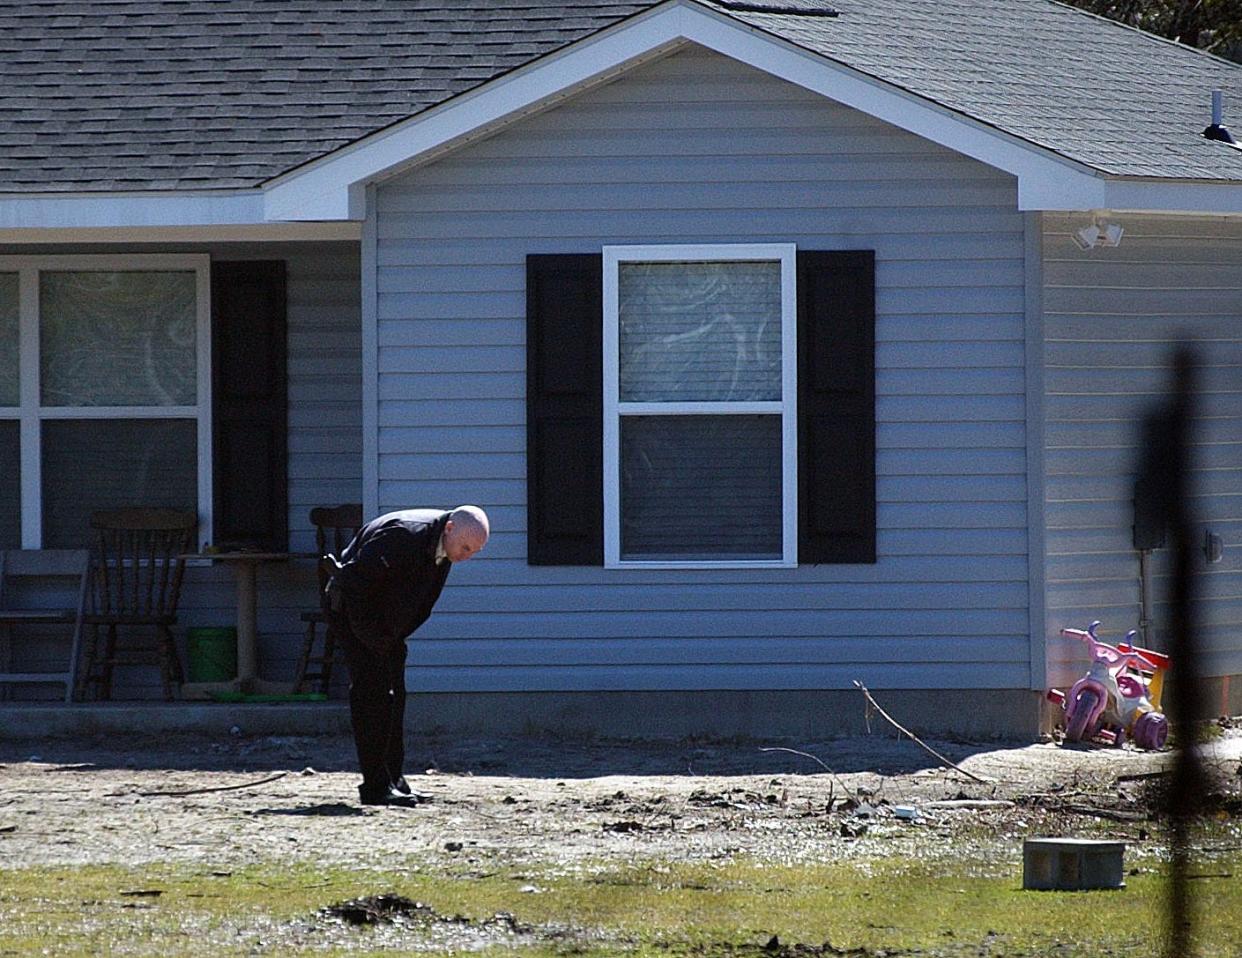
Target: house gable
x: 334, y: 187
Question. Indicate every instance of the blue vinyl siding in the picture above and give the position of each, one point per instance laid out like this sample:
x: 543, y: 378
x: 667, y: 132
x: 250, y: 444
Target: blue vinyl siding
x: 1112, y: 318
x: 696, y: 148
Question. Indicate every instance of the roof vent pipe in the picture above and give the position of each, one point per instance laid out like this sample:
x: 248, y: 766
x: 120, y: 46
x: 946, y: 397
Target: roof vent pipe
x: 1218, y: 130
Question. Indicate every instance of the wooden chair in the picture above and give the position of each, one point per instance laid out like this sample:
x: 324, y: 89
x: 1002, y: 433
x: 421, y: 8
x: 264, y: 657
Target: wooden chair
x: 136, y: 578
x: 26, y: 575
x: 334, y: 527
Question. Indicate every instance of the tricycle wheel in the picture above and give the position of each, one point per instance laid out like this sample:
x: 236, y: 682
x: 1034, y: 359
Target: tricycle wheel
x: 1082, y: 709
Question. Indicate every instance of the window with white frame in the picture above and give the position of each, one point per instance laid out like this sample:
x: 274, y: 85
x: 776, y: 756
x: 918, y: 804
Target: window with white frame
x: 700, y: 417
x: 104, y: 390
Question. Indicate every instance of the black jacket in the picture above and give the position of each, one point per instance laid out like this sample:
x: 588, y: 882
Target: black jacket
x: 389, y: 580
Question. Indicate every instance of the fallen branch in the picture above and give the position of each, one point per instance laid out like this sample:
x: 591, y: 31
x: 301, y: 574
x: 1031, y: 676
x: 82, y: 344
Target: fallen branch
x: 970, y: 803
x: 914, y: 738
x: 217, y: 788
x: 1112, y: 815
x: 815, y: 758
x: 1138, y: 776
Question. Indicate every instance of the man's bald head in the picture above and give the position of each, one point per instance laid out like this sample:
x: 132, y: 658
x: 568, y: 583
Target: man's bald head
x: 465, y: 533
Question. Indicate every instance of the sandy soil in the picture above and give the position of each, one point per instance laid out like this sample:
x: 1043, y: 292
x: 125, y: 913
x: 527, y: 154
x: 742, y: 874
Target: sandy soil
x: 498, y: 801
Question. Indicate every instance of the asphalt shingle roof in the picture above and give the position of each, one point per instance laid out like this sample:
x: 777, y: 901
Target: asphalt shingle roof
x: 103, y: 95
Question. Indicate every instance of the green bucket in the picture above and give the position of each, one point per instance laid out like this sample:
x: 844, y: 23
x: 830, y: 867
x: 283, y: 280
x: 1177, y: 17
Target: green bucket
x: 212, y: 654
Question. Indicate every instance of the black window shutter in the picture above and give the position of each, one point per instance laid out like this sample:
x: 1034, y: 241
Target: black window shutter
x: 564, y: 409
x: 249, y: 404
x: 836, y: 406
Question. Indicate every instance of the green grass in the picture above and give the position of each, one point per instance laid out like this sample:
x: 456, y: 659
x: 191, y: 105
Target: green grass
x: 644, y: 909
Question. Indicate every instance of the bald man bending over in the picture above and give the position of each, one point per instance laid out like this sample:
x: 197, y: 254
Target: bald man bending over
x: 390, y: 577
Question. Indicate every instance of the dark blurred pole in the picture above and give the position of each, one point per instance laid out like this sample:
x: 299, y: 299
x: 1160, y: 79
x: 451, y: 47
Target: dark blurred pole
x: 1165, y: 474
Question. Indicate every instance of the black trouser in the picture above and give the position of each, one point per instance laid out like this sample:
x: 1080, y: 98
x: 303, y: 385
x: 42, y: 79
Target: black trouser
x: 376, y: 707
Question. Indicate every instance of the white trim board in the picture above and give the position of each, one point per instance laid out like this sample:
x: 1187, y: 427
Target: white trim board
x: 87, y: 211
x: 369, y: 311
x: 1036, y: 510
x: 332, y: 187
x: 341, y: 231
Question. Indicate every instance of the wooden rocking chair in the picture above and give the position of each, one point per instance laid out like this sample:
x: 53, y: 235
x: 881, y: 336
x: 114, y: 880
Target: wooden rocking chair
x: 335, y: 526
x: 136, y: 573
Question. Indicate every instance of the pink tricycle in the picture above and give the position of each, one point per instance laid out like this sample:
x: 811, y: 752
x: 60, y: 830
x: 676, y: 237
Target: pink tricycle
x: 1115, y: 698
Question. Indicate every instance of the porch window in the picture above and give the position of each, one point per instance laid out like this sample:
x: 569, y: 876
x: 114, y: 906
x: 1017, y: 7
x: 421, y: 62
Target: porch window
x: 104, y: 391
x: 700, y: 418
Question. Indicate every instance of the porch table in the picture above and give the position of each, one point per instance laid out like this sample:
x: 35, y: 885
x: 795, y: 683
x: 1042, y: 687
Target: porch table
x: 245, y: 567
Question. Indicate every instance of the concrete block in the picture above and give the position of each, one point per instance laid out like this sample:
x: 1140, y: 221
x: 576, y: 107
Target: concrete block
x: 1072, y: 864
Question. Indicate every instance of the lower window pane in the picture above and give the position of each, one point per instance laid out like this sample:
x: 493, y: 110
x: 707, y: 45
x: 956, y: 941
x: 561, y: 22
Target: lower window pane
x: 91, y: 464
x: 10, y: 486
x: 700, y: 487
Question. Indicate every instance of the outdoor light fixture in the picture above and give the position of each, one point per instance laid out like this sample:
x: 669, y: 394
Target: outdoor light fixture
x: 1100, y: 232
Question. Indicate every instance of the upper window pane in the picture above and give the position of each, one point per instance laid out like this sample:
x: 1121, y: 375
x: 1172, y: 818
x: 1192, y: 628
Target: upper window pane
x: 118, y: 338
x: 699, y: 331
x: 8, y: 340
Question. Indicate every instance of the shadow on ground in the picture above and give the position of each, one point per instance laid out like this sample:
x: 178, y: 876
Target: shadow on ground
x: 527, y: 756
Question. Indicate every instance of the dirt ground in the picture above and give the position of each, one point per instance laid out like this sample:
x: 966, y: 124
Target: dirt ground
x: 507, y: 801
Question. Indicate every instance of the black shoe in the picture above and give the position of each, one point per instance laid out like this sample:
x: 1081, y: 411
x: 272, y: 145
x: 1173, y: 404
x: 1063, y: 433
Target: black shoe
x: 391, y: 797
x: 402, y: 786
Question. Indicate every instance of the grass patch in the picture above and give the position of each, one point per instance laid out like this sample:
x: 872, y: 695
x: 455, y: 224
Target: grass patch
x: 736, y: 908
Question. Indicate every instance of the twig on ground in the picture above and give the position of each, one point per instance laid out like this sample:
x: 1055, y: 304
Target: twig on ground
x: 216, y: 788
x: 914, y: 738
x: 1113, y: 815
x: 814, y: 758
x: 1137, y: 776
x: 971, y: 803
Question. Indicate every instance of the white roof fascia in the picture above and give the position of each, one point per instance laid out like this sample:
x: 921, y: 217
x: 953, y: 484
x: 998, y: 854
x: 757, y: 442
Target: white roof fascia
x: 22, y: 211
x: 342, y: 231
x: 1075, y: 192
x: 1171, y: 196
